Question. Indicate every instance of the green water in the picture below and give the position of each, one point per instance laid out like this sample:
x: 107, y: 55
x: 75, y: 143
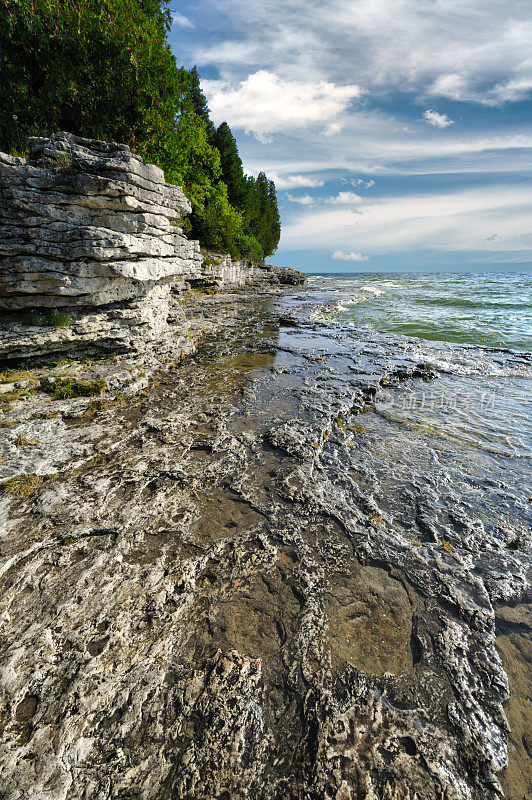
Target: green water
x: 487, y: 309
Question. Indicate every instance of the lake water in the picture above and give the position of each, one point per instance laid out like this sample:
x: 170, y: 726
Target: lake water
x: 490, y: 309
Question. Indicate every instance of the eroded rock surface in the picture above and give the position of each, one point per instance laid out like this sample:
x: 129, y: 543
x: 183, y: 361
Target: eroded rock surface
x: 229, y: 591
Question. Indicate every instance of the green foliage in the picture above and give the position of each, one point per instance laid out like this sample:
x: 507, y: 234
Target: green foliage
x: 198, y: 103
x: 232, y: 170
x: 254, y: 198
x: 50, y: 317
x: 98, y: 68
x: 217, y: 225
x: 104, y: 69
x: 249, y: 247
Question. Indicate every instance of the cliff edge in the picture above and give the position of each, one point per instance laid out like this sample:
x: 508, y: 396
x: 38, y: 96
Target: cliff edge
x: 91, y: 235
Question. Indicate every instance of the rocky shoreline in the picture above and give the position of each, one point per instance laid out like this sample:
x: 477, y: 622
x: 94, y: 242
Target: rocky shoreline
x: 226, y: 572
x: 201, y: 600
x: 93, y: 258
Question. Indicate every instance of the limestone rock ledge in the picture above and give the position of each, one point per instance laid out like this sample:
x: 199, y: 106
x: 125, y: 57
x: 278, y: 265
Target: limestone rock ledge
x: 86, y: 223
x: 87, y: 226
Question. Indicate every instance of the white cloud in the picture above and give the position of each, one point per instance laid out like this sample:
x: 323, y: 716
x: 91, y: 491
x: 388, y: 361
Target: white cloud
x: 370, y: 145
x: 264, y: 103
x: 360, y: 182
x: 181, y: 20
x: 334, y: 128
x: 437, y: 120
x: 344, y: 199
x: 339, y: 255
x: 451, y: 85
x: 452, y: 221
x: 477, y: 51
x: 229, y: 53
x: 340, y: 199
x: 511, y: 91
x: 283, y: 182
x: 302, y: 200
x: 458, y: 87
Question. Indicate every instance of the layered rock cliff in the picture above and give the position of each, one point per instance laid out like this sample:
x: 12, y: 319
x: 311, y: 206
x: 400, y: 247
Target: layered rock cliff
x: 86, y: 223
x: 88, y: 227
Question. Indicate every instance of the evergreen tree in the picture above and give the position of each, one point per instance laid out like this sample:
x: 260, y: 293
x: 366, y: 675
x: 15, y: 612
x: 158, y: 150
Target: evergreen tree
x: 199, y: 102
x: 258, y: 205
x: 104, y: 69
x: 232, y: 171
x: 274, y: 220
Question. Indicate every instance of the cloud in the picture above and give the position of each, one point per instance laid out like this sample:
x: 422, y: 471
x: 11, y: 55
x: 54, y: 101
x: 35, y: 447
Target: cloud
x: 181, y: 20
x: 452, y: 85
x: 303, y: 200
x: 344, y: 199
x: 493, y: 238
x: 457, y: 87
x: 264, y: 103
x: 459, y: 221
x: 360, y: 182
x: 340, y: 199
x: 437, y: 120
x: 512, y: 91
x: 283, y: 182
x: 230, y: 54
x: 477, y: 51
x: 339, y: 255
x: 333, y: 128
x: 370, y: 147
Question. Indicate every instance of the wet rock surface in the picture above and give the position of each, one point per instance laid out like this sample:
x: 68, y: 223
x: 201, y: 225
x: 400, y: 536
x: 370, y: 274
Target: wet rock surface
x: 252, y: 581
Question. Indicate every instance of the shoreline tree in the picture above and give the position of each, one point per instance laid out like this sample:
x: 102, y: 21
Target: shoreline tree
x: 104, y: 69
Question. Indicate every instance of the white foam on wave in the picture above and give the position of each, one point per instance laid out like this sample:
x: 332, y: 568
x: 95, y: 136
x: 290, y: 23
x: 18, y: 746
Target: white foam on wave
x: 469, y: 362
x: 371, y: 290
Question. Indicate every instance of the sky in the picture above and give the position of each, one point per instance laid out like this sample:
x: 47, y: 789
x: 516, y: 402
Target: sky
x: 398, y: 134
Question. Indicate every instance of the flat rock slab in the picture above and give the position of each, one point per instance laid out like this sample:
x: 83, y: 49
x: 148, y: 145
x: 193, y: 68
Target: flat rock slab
x: 239, y: 598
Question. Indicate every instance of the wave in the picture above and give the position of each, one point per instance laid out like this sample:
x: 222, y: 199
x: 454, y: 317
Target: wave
x: 462, y: 302
x: 488, y: 312
x: 371, y: 290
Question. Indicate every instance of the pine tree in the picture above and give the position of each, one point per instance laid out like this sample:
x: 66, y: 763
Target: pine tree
x: 260, y: 222
x: 274, y: 220
x: 232, y: 170
x: 199, y: 102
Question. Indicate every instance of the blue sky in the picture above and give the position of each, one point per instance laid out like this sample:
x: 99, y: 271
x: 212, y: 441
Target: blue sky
x: 399, y: 134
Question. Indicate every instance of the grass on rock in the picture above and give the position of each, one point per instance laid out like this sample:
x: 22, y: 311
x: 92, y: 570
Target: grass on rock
x: 49, y: 318
x: 22, y: 485
x: 70, y: 387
